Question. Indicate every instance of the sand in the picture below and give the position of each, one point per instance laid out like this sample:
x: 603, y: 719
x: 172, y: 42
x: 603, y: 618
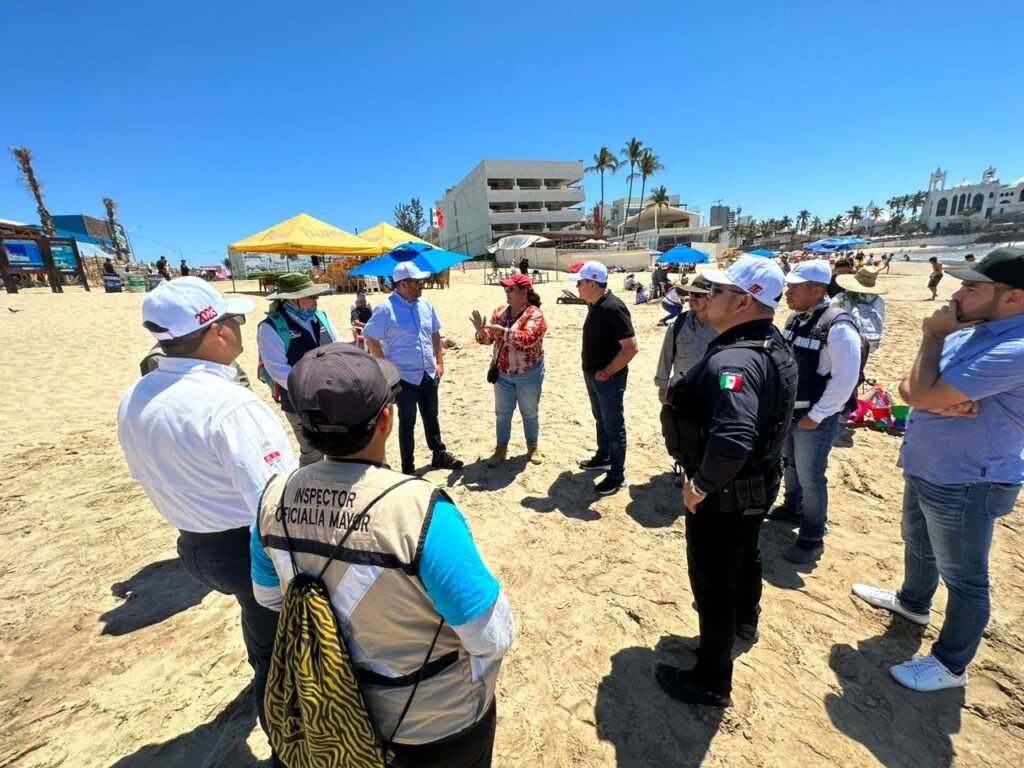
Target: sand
x: 113, y: 656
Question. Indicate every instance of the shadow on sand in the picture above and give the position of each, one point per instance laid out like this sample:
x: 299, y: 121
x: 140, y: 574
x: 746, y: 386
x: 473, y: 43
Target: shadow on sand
x: 154, y: 594
x: 901, y: 727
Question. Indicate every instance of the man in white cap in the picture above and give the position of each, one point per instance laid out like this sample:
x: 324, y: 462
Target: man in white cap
x: 609, y: 343
x: 203, y: 447
x: 827, y: 347
x: 405, y: 331
x: 726, y: 422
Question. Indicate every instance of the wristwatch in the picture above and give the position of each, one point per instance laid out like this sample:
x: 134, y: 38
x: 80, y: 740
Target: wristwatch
x: 692, y: 485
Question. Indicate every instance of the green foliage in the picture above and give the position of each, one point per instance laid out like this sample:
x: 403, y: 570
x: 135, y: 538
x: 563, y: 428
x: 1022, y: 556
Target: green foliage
x: 409, y: 217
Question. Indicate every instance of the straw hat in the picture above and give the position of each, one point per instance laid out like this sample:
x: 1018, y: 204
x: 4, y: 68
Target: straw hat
x: 295, y: 285
x: 862, y: 281
x: 700, y: 285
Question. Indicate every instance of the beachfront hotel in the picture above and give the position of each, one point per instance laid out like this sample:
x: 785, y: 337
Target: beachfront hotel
x: 988, y: 199
x: 502, y: 196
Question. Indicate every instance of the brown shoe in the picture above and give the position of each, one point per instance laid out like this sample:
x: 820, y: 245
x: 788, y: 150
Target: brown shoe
x: 534, y: 455
x: 500, y: 452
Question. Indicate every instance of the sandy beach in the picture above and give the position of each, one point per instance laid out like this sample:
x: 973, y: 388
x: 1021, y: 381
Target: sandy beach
x: 110, y: 655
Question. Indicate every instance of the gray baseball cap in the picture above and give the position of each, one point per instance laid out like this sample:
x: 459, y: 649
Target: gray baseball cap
x: 340, y: 387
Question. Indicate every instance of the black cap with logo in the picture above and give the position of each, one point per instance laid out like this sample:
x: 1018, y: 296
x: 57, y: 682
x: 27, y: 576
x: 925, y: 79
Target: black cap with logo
x: 340, y: 387
x: 1003, y: 265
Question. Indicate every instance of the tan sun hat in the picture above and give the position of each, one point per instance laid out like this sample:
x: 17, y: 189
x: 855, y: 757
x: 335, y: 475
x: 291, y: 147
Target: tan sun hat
x: 862, y: 281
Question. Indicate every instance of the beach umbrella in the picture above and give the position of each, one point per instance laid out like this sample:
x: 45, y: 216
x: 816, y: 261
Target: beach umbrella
x: 764, y: 253
x: 683, y: 254
x: 386, y: 237
x: 577, y: 266
x: 426, y: 257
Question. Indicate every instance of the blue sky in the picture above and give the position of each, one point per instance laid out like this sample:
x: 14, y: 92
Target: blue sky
x: 208, y: 121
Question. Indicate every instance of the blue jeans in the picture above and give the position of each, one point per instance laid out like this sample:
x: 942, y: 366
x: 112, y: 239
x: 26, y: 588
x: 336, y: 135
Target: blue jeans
x: 525, y: 390
x: 947, y: 531
x: 806, y: 455
x: 606, y: 405
x: 423, y: 396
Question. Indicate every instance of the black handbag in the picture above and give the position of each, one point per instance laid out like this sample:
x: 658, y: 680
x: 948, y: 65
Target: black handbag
x: 492, y: 372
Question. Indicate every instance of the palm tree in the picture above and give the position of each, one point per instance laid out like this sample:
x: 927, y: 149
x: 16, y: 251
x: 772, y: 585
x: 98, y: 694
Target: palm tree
x: 24, y: 158
x: 648, y: 166
x: 855, y: 214
x: 785, y: 223
x: 658, y: 198
x: 631, y: 153
x: 816, y: 225
x: 917, y: 200
x: 111, y: 207
x: 766, y: 228
x: 802, y: 218
x: 604, y: 160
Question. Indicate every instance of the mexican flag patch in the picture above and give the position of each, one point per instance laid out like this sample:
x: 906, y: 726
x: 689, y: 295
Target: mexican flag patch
x: 731, y: 381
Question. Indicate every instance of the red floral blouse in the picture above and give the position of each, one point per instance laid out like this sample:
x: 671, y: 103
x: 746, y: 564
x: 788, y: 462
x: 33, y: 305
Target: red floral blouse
x: 524, y: 340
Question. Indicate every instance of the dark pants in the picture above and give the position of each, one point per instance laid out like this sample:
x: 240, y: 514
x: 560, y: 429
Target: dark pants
x: 471, y: 749
x: 221, y: 562
x: 606, y: 405
x: 423, y: 396
x: 724, y: 562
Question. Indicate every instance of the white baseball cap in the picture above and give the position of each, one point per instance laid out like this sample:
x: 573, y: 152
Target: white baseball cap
x: 591, y: 270
x: 812, y: 271
x: 761, y: 278
x: 186, y: 305
x: 406, y: 270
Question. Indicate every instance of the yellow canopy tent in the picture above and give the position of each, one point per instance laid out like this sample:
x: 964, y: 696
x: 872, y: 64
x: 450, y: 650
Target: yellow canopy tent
x: 385, y: 237
x: 305, y: 235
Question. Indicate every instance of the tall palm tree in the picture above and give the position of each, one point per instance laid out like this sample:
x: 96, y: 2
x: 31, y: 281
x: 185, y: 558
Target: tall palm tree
x: 855, y: 214
x: 917, y: 200
x: 631, y: 153
x: 816, y: 225
x: 111, y: 207
x: 647, y: 167
x: 785, y: 223
x: 802, y: 218
x: 25, y: 158
x: 658, y: 198
x: 604, y: 160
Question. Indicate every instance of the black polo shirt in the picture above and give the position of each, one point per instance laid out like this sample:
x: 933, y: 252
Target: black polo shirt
x: 608, y: 322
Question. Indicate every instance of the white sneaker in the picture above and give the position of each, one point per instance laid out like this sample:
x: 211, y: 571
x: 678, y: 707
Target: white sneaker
x: 886, y: 598
x: 926, y: 673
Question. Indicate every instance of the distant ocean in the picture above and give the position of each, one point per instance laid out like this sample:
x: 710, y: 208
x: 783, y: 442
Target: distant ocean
x: 946, y: 255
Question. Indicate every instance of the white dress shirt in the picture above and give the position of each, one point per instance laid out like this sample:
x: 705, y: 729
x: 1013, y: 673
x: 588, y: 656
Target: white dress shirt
x: 840, y: 357
x: 202, y: 446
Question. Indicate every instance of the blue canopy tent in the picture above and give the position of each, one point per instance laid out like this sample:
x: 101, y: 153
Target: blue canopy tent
x: 683, y: 254
x: 426, y: 257
x: 764, y: 253
x: 833, y: 244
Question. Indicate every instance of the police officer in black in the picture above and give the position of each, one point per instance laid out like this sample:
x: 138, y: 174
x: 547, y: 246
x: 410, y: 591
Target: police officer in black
x: 726, y: 421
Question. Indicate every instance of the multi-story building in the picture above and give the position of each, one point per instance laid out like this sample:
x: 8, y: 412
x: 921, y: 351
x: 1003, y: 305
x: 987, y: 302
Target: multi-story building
x: 627, y: 207
x: 502, y: 196
x: 722, y: 216
x: 971, y: 203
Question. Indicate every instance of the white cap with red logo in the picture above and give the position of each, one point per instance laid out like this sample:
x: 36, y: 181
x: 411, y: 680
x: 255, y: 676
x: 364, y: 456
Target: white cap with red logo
x: 761, y: 278
x: 594, y: 271
x: 187, y: 304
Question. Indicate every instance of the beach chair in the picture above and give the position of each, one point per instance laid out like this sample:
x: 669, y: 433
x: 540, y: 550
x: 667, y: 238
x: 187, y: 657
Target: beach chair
x: 568, y: 297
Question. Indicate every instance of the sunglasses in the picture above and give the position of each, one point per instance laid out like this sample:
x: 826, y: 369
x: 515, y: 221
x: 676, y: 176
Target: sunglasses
x: 717, y: 288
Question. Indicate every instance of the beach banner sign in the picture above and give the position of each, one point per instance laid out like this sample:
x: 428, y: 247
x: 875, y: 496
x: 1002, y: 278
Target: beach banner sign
x: 51, y: 256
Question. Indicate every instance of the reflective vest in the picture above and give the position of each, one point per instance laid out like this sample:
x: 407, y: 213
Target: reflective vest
x: 382, y: 606
x: 297, y: 342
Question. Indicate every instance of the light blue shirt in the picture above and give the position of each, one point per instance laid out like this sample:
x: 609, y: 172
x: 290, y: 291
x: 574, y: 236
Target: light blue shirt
x: 986, y: 363
x: 451, y: 569
x: 405, y: 331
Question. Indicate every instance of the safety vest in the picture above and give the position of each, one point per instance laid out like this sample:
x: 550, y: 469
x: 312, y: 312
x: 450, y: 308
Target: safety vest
x: 382, y: 606
x: 289, y: 331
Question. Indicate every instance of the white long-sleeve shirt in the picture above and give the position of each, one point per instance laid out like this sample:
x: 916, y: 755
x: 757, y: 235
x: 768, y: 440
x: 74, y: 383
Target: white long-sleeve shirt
x: 202, y: 446
x: 840, y: 357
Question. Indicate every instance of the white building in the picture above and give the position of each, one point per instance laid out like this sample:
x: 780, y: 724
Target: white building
x: 987, y: 199
x: 502, y: 196
x: 627, y: 207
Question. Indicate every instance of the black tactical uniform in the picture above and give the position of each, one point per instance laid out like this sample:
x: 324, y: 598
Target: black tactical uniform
x: 726, y: 422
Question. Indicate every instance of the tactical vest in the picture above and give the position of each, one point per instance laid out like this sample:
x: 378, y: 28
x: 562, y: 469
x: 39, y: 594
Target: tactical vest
x: 686, y: 421
x: 298, y: 343
x: 808, y: 339
x: 381, y: 605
